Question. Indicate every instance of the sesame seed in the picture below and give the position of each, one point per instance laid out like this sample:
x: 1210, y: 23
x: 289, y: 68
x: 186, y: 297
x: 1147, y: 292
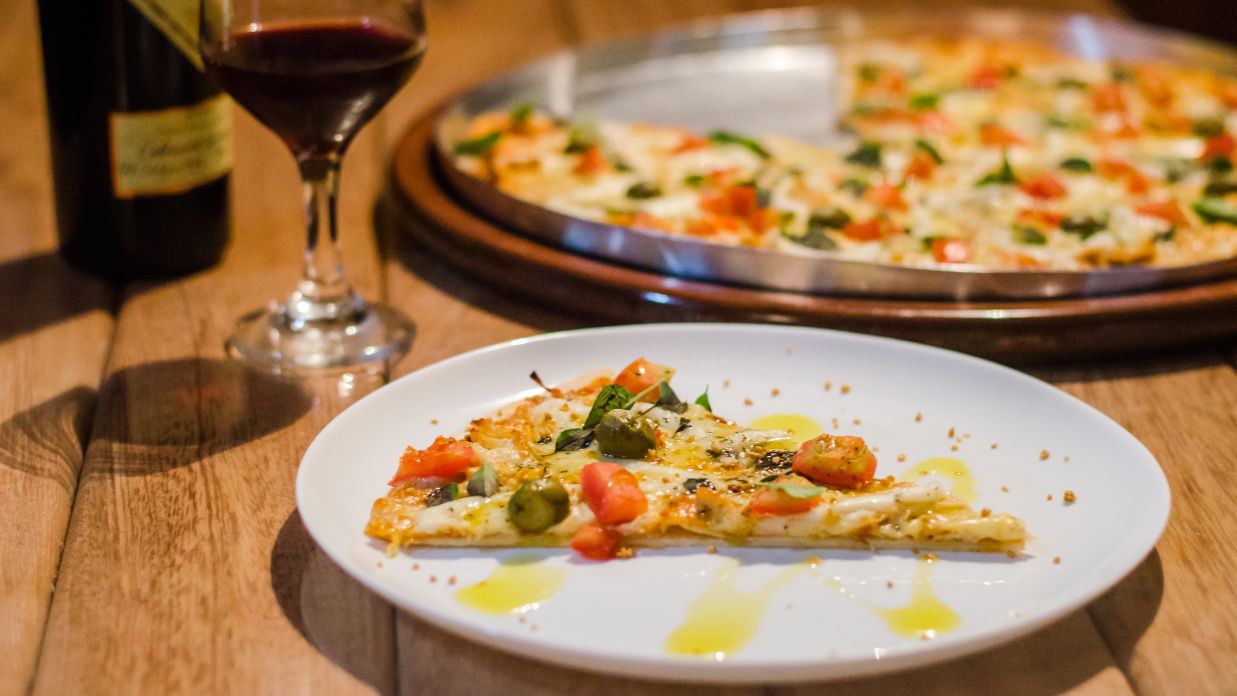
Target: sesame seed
x: 433, y: 421
x: 1043, y: 454
x: 953, y: 448
x: 1056, y: 560
x: 775, y: 392
x: 451, y: 580
x: 889, y: 584
x: 901, y: 457
x: 951, y: 432
x: 1004, y: 489
x: 993, y: 446
x: 856, y: 421
x: 845, y: 389
x: 1049, y: 497
x: 747, y: 402
x: 725, y: 384
x: 918, y: 417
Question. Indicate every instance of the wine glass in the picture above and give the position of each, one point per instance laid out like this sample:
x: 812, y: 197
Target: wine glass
x: 314, y: 72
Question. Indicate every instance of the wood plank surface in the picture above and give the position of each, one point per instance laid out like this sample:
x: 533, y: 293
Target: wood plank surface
x: 55, y: 325
x: 1179, y: 607
x: 187, y: 569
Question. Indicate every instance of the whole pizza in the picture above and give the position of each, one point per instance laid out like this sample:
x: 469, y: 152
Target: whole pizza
x: 958, y: 153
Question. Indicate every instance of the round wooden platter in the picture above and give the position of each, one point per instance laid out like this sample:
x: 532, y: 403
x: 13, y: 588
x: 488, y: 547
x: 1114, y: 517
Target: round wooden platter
x: 1008, y: 331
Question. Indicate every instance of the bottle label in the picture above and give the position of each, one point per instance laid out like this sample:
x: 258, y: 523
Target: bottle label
x: 178, y: 20
x: 170, y: 151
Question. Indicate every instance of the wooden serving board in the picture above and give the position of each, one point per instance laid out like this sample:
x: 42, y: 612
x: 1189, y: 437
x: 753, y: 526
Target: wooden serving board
x: 1008, y: 331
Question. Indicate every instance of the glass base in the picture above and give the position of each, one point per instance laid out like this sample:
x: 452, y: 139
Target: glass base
x: 270, y: 340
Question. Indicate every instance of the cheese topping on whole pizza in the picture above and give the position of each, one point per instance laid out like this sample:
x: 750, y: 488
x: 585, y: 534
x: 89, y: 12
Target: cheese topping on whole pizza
x: 962, y: 153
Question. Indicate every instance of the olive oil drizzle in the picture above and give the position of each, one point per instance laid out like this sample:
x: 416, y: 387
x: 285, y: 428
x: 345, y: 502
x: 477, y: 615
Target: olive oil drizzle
x: 519, y: 584
x: 801, y: 427
x: 956, y: 470
x: 722, y: 620
x: 926, y: 616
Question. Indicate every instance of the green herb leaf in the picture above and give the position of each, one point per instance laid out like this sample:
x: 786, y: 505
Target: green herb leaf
x: 573, y: 439
x: 1208, y: 127
x: 1220, y: 187
x: 483, y: 482
x: 477, y: 147
x: 728, y: 138
x: 1076, y: 164
x: 581, y: 136
x: 1121, y: 73
x: 1220, y: 164
x: 694, y: 180
x: 690, y: 485
x: 1084, y: 225
x: 643, y: 190
x: 610, y: 397
x: 930, y: 149
x: 442, y: 494
x: 520, y: 113
x: 703, y: 401
x: 924, y: 101
x: 854, y: 186
x: 926, y: 243
x: 1001, y: 177
x: 1029, y: 235
x: 1071, y: 83
x: 667, y: 399
x: 1074, y: 124
x: 1166, y: 235
x: 1213, y: 210
x: 868, y: 72
x: 867, y: 154
x: 795, y: 490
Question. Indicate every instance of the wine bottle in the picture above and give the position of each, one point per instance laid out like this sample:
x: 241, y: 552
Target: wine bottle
x: 141, y: 137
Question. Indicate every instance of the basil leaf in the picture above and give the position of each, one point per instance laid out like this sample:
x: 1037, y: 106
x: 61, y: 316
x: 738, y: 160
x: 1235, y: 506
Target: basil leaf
x: 1084, y: 225
x: 728, y: 138
x: 643, y: 190
x: 924, y: 101
x: 483, y: 482
x: 573, y: 439
x: 795, y: 490
x: 1120, y: 73
x: 868, y: 72
x: 1208, y: 127
x: 854, y: 186
x: 1220, y: 187
x: 442, y: 494
x: 694, y: 180
x: 703, y: 400
x: 610, y: 397
x: 1213, y: 210
x: 1220, y: 164
x: 867, y: 154
x: 477, y: 147
x: 1029, y: 235
x: 1071, y: 83
x: 1076, y: 164
x: 1166, y: 235
x: 667, y: 399
x: 581, y: 136
x: 1075, y: 124
x: 1001, y: 177
x: 930, y: 149
x: 521, y: 113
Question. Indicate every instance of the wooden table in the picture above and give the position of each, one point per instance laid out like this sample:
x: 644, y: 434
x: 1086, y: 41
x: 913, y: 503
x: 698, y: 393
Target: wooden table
x: 150, y: 538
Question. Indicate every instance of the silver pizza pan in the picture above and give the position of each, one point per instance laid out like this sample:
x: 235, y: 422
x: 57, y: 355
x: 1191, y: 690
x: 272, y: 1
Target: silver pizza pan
x: 775, y: 72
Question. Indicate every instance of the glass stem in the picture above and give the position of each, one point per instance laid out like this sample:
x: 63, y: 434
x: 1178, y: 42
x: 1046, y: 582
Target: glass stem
x: 323, y: 293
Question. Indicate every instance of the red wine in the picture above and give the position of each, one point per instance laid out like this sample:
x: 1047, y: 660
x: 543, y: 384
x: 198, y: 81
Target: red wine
x: 315, y: 84
x: 141, y: 142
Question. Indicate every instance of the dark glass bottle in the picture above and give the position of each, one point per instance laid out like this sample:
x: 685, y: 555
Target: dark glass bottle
x: 141, y: 137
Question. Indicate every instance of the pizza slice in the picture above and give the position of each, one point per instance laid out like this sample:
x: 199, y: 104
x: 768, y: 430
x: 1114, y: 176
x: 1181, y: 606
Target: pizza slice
x: 624, y: 462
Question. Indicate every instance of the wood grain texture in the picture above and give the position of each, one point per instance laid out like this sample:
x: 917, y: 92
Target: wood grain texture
x: 186, y: 568
x: 1172, y: 624
x: 55, y: 325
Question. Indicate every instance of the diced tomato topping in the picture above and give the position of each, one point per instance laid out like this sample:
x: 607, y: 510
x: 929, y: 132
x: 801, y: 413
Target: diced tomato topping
x: 641, y: 375
x: 1155, y: 87
x: 737, y: 201
x: 1048, y: 217
x: 690, y: 142
x: 921, y: 166
x: 446, y: 457
x: 612, y: 493
x: 933, y: 122
x: 1127, y: 131
x: 993, y: 134
x: 869, y: 230
x: 1165, y: 210
x: 1044, y: 186
x: 1221, y: 145
x: 1108, y: 98
x: 842, y: 460
x: 950, y: 250
x: 986, y: 77
x: 591, y: 161
x: 771, y: 501
x: 1137, y: 183
x: 1021, y: 260
x: 885, y: 195
x: 649, y: 221
x: 891, y: 80
x: 597, y: 543
x: 1116, y: 169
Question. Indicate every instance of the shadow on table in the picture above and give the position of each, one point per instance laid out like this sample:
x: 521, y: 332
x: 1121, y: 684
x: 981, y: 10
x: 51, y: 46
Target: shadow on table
x: 389, y: 220
x: 345, y: 622
x: 42, y: 290
x: 47, y: 440
x: 167, y: 414
x: 1124, y: 613
x: 1135, y: 367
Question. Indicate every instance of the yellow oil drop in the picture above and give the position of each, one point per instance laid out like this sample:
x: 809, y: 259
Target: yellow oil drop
x: 956, y: 470
x: 723, y: 619
x: 802, y: 428
x: 516, y: 585
x: 926, y: 616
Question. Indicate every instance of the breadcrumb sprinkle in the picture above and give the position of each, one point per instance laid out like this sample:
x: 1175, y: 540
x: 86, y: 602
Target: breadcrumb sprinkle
x: 711, y: 549
x: 1056, y: 560
x: 951, y: 433
x: 451, y: 580
x: 828, y: 386
x: 775, y: 392
x: 1004, y: 489
x: 845, y: 389
x: 625, y: 552
x: 985, y: 512
x: 1043, y: 454
x: 1069, y: 497
x: 901, y: 457
x: 918, y: 417
x: 748, y: 402
x: 433, y: 421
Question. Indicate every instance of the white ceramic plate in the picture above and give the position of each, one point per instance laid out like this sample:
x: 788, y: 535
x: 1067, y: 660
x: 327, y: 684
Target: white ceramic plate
x: 807, y: 620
